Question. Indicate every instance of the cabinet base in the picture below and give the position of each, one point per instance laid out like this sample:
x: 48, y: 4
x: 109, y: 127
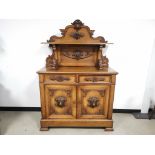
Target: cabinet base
x: 107, y: 124
x: 108, y: 129
x: 44, y: 129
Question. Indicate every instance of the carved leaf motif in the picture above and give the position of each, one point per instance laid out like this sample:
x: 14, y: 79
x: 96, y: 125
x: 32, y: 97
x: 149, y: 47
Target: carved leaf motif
x: 77, y: 54
x: 76, y: 35
x: 68, y: 91
x: 102, y: 92
x: 51, y: 92
x: 59, y: 78
x: 85, y: 91
x: 94, y: 79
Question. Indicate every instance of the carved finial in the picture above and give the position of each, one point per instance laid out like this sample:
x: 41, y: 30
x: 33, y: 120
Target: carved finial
x: 77, y: 24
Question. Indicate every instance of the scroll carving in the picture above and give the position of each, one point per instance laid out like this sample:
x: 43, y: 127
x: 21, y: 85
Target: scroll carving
x: 102, y: 92
x: 76, y: 35
x: 94, y: 79
x: 59, y: 78
x: 103, y: 63
x: 68, y: 91
x: 85, y: 91
x: 51, y: 62
x: 77, y: 54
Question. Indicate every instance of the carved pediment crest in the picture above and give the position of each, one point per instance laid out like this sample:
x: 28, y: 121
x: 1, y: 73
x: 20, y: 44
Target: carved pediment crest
x: 74, y: 32
x: 77, y: 24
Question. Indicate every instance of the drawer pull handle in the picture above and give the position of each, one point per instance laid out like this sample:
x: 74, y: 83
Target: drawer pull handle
x: 59, y: 78
x: 94, y: 79
x: 93, y: 102
x: 60, y: 101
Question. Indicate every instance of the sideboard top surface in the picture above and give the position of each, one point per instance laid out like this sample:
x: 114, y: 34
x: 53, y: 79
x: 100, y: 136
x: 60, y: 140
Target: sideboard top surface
x: 83, y: 70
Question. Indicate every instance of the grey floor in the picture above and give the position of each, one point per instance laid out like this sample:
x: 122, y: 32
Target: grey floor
x: 27, y: 123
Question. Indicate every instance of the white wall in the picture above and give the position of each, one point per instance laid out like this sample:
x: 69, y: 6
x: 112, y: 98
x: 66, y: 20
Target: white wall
x: 21, y: 55
x: 149, y: 94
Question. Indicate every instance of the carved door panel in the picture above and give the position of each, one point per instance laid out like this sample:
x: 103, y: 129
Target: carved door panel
x: 93, y: 101
x: 60, y: 101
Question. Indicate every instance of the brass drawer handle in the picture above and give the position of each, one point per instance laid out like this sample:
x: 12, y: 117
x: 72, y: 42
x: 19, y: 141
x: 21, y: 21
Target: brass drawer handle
x: 59, y: 78
x: 94, y: 79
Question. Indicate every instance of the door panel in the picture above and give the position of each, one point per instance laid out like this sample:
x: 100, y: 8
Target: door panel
x: 60, y: 101
x: 93, y: 101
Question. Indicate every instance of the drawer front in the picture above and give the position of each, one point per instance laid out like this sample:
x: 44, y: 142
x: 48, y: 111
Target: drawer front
x: 60, y: 78
x: 94, y: 79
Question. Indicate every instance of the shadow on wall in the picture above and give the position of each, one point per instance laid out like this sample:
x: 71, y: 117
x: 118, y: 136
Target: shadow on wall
x: 5, y: 98
x: 149, y: 94
x: 1, y: 46
x: 31, y: 95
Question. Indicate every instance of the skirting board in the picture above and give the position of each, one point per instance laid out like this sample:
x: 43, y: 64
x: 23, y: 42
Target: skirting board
x: 38, y: 109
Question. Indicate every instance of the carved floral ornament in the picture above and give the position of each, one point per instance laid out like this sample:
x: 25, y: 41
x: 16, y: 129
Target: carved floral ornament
x: 76, y: 35
x: 101, y: 92
x: 77, y: 24
x: 67, y: 91
x: 77, y: 54
x: 59, y: 78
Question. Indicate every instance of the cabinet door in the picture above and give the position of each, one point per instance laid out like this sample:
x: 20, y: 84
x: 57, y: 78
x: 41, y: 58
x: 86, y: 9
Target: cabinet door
x: 93, y: 101
x: 60, y: 101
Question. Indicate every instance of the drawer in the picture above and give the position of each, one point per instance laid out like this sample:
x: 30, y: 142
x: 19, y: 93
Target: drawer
x: 60, y: 78
x: 94, y: 79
